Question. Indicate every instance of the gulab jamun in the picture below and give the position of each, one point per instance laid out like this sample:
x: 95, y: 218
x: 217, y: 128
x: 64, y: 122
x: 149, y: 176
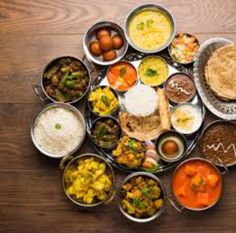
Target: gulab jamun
x: 117, y: 41
x: 103, y: 32
x: 109, y: 55
x: 106, y: 43
x: 95, y: 49
x: 170, y: 147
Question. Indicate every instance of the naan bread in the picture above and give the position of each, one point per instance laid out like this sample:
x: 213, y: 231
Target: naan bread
x: 220, y: 72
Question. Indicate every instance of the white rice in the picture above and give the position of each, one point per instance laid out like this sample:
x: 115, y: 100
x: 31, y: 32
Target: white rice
x: 141, y: 100
x: 58, y: 131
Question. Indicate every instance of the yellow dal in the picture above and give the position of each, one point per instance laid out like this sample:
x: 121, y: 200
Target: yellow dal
x: 159, y: 71
x: 150, y: 29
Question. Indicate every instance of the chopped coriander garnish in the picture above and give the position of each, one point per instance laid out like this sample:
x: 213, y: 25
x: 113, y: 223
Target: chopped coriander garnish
x: 140, y: 26
x: 122, y: 71
x: 149, y: 23
x: 151, y: 73
x: 57, y: 126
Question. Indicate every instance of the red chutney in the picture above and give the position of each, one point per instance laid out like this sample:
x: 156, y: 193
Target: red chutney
x: 197, y: 184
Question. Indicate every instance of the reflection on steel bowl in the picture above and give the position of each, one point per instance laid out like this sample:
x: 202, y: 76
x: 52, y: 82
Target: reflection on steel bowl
x: 58, y: 130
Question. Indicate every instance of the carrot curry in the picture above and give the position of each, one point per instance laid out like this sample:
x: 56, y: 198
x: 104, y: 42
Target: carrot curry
x: 197, y: 184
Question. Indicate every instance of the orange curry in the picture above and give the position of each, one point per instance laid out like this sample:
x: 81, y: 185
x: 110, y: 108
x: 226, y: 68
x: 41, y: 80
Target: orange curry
x: 121, y: 76
x: 197, y: 184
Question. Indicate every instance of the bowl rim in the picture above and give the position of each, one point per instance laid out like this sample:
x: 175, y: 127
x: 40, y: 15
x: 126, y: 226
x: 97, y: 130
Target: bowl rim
x: 54, y: 60
x: 209, y: 163
x: 74, y: 160
x: 169, y: 48
x: 56, y: 105
x: 106, y: 23
x: 142, y: 7
x: 164, y: 194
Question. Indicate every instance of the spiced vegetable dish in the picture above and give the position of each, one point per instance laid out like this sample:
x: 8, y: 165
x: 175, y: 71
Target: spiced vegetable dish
x: 66, y: 79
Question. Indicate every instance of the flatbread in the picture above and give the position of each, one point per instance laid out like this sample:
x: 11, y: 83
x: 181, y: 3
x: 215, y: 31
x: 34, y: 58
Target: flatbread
x: 141, y: 128
x: 220, y: 72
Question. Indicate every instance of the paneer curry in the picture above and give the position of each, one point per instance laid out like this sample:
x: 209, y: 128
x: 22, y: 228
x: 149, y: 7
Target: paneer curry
x: 197, y: 184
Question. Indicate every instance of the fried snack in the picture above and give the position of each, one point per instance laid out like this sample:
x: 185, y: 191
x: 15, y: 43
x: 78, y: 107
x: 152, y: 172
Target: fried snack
x: 220, y: 72
x: 164, y: 109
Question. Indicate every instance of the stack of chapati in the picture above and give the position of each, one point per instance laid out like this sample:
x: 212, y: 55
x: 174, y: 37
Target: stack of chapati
x: 220, y: 72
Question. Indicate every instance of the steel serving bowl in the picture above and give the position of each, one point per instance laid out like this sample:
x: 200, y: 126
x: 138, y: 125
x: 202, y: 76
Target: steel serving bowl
x: 90, y: 35
x: 73, y: 161
x: 102, y: 119
x: 169, y: 49
x: 143, y: 8
x: 174, y: 200
x: 114, y: 92
x: 218, y: 161
x: 163, y: 191
x: 59, y: 105
x: 41, y: 92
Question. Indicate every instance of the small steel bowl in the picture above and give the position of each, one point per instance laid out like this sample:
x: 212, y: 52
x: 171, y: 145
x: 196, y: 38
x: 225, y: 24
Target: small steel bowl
x: 73, y: 161
x: 115, y: 93
x: 163, y: 195
x: 129, y: 63
x: 174, y: 200
x: 102, y: 119
x: 90, y: 36
x: 58, y: 105
x: 41, y: 92
x: 195, y: 106
x: 169, y: 49
x: 218, y: 161
x: 143, y: 8
x: 152, y: 56
x: 176, y: 134
x: 181, y: 73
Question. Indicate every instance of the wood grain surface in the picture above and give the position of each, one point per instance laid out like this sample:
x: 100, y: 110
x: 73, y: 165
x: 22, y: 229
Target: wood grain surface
x: 31, y: 34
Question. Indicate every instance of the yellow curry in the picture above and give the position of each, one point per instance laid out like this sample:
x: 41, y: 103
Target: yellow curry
x: 150, y: 29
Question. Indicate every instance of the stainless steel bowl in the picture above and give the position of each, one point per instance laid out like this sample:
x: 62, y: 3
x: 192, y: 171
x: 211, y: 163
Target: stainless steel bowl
x: 159, y: 212
x: 217, y: 161
x: 60, y: 105
x: 145, y: 7
x: 73, y: 160
x: 40, y: 90
x: 183, y: 63
x: 174, y: 200
x: 90, y: 35
x: 116, y: 95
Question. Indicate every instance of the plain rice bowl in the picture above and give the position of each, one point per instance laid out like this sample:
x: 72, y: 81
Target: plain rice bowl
x: 58, y: 130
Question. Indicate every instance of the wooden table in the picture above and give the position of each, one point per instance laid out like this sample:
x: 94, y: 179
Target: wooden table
x: 31, y: 34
